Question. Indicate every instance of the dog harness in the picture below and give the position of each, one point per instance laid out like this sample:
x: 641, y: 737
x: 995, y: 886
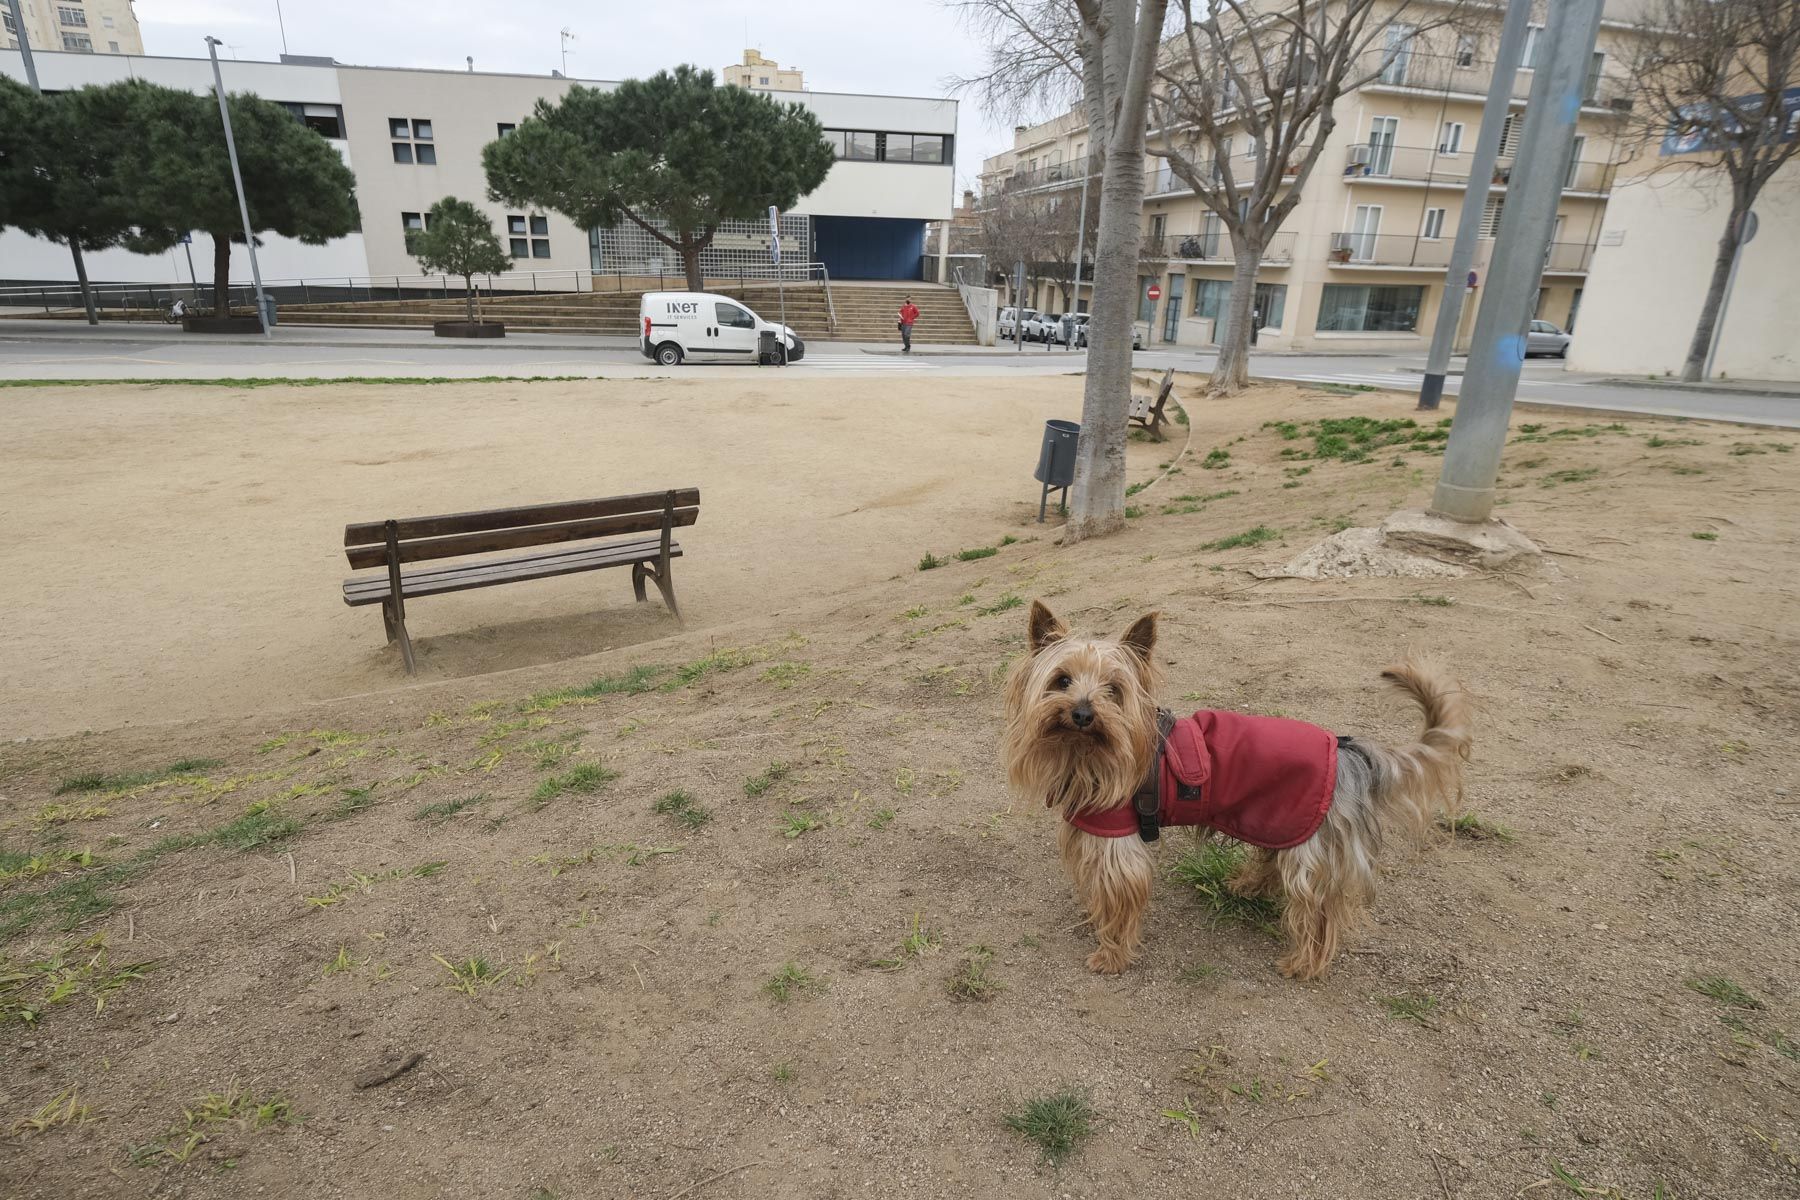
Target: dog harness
x: 1266, y: 781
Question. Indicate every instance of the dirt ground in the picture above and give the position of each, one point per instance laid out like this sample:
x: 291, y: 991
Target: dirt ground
x: 174, y: 541
x: 840, y: 953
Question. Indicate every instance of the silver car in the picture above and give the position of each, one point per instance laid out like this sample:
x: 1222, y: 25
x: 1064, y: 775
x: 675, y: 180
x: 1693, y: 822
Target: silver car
x: 1081, y: 333
x: 1545, y: 338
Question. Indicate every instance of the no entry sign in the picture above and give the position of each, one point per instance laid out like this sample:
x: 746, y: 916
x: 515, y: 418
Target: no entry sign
x: 1155, y: 293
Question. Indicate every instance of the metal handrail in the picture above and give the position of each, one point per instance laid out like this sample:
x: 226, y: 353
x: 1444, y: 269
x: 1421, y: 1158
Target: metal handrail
x: 830, y: 308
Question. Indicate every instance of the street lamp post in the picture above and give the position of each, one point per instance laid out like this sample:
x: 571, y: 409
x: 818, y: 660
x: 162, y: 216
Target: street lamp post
x: 237, y: 179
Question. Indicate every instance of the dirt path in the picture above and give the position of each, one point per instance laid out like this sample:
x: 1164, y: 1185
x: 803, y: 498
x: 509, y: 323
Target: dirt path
x: 748, y: 912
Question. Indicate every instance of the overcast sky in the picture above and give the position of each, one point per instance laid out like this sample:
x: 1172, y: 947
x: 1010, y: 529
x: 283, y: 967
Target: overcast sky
x: 901, y: 47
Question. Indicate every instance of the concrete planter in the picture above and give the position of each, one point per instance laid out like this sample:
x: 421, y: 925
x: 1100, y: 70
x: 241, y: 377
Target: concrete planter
x: 469, y: 329
x: 221, y: 325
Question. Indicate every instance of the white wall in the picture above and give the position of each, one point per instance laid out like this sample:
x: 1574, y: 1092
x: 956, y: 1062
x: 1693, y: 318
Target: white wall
x: 1650, y: 275
x: 865, y: 189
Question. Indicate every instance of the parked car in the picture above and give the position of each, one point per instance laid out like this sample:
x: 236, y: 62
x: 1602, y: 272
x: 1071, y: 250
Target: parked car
x: 682, y: 325
x: 1069, y: 329
x: 1546, y: 338
x: 1011, y: 319
x: 1081, y: 333
x: 1042, y: 327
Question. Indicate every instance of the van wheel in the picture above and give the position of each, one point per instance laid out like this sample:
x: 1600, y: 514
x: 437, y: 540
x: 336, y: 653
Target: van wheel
x: 669, y: 354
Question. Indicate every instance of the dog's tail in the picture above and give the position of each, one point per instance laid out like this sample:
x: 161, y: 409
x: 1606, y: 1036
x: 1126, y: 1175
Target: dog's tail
x: 1415, y: 783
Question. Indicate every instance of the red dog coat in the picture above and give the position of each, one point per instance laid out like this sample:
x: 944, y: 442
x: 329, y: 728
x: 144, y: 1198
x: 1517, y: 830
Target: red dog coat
x: 1262, y: 780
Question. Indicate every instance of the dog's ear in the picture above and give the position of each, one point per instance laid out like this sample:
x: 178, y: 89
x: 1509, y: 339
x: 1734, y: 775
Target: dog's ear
x: 1141, y: 637
x: 1045, y: 626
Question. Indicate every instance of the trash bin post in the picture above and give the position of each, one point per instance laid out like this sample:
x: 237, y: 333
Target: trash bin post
x: 1056, y: 463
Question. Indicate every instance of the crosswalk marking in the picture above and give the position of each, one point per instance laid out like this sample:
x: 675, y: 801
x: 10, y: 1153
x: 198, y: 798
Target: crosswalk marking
x: 863, y: 362
x: 1383, y: 380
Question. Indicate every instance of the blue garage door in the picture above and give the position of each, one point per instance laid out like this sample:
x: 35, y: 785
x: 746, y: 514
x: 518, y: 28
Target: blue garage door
x: 869, y: 247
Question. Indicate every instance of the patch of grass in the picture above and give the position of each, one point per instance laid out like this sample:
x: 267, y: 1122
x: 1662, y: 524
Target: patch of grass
x: 1743, y: 448
x: 1056, y: 1124
x: 584, y: 779
x: 204, y: 1118
x: 635, y: 682
x: 918, y: 942
x: 1723, y: 990
x: 443, y: 810
x: 683, y: 808
x: 785, y: 675
x: 1250, y: 537
x: 1434, y: 601
x: 1005, y: 603
x: 83, y: 969
x: 930, y: 562
x: 1704, y: 536
x: 338, y: 890
x: 67, y: 903
x: 1133, y: 511
x: 64, y: 1108
x: 977, y: 552
x: 770, y: 775
x: 718, y: 662
x: 470, y: 975
x: 549, y: 754
x: 783, y: 1072
x: 1572, y: 475
x: 915, y: 612
x: 1658, y: 441
x: 94, y: 781
x: 353, y: 801
x: 1215, y: 459
x: 880, y: 818
x: 791, y: 981
x: 1356, y: 439
x: 972, y: 980
x: 1417, y: 1007
x: 18, y: 868
x: 1008, y: 540
x: 251, y: 382
x: 1474, y: 826
x: 1208, y: 867
x: 69, y: 814
x: 798, y: 824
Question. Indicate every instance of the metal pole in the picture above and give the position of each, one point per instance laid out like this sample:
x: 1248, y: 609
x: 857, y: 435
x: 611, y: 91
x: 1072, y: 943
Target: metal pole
x: 1737, y: 256
x: 1475, y: 197
x: 237, y: 179
x: 1080, y: 241
x: 283, y: 25
x: 1019, y: 306
x: 24, y: 45
x: 193, y: 279
x: 1465, y: 489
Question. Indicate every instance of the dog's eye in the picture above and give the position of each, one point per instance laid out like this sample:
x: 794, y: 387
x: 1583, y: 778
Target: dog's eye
x: 1061, y: 683
x: 1115, y: 691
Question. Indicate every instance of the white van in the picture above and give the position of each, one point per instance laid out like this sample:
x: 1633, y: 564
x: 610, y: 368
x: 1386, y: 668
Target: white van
x: 678, y: 325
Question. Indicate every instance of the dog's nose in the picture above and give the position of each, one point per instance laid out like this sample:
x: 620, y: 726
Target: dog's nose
x: 1082, y: 715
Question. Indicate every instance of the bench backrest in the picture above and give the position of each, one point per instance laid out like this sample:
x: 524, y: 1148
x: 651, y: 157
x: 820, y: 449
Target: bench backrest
x: 456, y: 534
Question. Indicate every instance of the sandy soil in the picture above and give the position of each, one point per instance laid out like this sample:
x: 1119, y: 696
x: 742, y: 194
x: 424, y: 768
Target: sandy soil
x: 178, y: 552
x: 1637, y: 714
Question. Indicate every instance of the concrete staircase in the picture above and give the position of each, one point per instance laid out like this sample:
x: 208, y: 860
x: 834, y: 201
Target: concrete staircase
x: 864, y: 312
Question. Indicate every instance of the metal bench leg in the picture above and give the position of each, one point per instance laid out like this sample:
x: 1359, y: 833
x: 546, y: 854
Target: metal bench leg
x: 666, y: 586
x: 393, y: 609
x: 406, y: 650
x: 387, y: 621
x: 637, y: 580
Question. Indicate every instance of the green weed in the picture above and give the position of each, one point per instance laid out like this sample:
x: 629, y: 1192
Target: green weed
x: 1417, y: 1007
x: 972, y: 980
x: 470, y: 975
x: 1723, y: 990
x: 918, y: 942
x: 785, y: 674
x: 1572, y: 475
x: 683, y: 808
x: 1056, y: 1124
x: 977, y: 553
x: 1215, y: 459
x: 930, y: 562
x: 1006, y: 603
x: 84, y: 969
x: 1250, y: 537
x: 880, y: 818
x: 772, y: 774
x: 1474, y: 826
x: 634, y: 682
x: 798, y: 824
x: 717, y: 662
x: 1208, y: 868
x: 202, y: 1120
x: 584, y: 779
x: 443, y: 810
x: 791, y: 981
x: 64, y: 1108
x: 94, y: 781
x: 1704, y: 536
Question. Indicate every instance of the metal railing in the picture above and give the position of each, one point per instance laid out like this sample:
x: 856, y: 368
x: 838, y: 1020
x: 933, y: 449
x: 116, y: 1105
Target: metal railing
x: 1376, y: 161
x: 1213, y: 247
x: 1048, y: 175
x: 1407, y: 250
x: 1414, y: 70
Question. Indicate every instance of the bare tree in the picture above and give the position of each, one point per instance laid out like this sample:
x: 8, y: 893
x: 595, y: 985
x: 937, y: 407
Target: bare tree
x: 1717, y: 84
x: 1105, y: 51
x: 1063, y: 234
x: 1011, y: 233
x: 1244, y: 107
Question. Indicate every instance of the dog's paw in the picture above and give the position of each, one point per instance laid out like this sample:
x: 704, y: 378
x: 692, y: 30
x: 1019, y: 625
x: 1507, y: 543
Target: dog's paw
x: 1108, y: 962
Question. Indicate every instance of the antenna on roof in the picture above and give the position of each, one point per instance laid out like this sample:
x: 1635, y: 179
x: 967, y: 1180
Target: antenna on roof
x: 567, y: 37
x: 471, y: 61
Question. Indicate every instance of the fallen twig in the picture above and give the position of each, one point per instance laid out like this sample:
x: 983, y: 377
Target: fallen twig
x: 694, y: 1187
x: 1442, y: 1182
x: 378, y: 1075
x: 640, y: 975
x: 1609, y: 637
x: 1329, y: 1112
x: 291, y: 876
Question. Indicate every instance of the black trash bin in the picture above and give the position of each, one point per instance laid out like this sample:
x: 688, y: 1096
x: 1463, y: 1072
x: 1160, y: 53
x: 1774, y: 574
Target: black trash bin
x: 1056, y: 462
x: 769, y: 350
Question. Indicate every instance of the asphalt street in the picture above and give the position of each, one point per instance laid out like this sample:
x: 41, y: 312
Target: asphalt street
x: 67, y: 350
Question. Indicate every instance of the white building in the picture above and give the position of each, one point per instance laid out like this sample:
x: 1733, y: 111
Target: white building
x: 412, y: 137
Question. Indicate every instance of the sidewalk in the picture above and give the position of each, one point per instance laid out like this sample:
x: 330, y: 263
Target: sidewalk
x: 1779, y: 389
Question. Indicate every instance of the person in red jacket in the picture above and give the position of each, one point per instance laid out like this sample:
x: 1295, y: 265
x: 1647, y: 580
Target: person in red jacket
x: 909, y: 312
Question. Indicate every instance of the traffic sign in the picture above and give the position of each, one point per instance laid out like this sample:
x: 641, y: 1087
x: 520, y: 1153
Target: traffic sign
x: 1154, y: 292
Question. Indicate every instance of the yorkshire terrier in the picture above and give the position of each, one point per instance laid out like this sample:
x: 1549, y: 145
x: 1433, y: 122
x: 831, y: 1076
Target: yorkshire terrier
x: 1084, y: 732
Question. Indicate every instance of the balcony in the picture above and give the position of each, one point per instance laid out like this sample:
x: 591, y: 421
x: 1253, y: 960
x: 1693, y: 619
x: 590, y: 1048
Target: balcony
x: 1055, y: 174
x: 1404, y: 252
x: 1213, y: 248
x: 1440, y: 74
x: 1162, y: 181
x: 1378, y: 162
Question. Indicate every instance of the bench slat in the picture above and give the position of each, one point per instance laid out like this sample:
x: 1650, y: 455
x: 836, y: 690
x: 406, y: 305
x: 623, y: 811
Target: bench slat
x: 373, y: 533
x: 636, y: 549
x: 373, y: 589
x: 457, y: 545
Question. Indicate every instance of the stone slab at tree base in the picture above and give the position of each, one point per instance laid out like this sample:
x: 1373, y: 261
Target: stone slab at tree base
x: 468, y: 329
x: 1410, y: 544
x: 221, y: 325
x: 1489, y: 544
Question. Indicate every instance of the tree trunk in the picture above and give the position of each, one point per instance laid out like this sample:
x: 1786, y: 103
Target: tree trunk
x: 690, y: 262
x: 87, y: 289
x: 221, y: 275
x: 469, y: 297
x: 1231, y: 374
x: 1097, y: 506
x: 1694, y: 369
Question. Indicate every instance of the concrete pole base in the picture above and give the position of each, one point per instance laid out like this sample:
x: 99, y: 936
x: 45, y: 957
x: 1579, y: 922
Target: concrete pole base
x: 1485, y: 544
x: 1457, y: 503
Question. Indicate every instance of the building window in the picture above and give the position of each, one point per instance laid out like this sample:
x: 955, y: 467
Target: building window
x: 859, y: 145
x: 1271, y: 304
x: 1355, y: 308
x: 1490, y: 216
x: 1528, y: 56
x: 1573, y: 179
x: 71, y: 18
x: 528, y: 237
x: 1434, y: 224
x: 762, y: 80
x: 505, y: 127
x: 415, y: 222
x: 79, y: 43
x: 1450, y: 141
x: 1465, y: 50
x: 412, y: 141
x: 1146, y: 306
x: 1158, y: 227
x: 1210, y: 296
x: 108, y: 22
x: 326, y: 120
x: 7, y: 18
x: 112, y: 47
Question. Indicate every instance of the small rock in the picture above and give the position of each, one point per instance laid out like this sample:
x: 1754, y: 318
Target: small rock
x: 171, y: 1018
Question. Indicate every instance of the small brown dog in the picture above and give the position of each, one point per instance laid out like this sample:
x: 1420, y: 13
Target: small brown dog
x: 1084, y: 732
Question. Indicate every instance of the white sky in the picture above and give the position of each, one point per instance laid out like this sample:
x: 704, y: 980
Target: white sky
x: 901, y: 47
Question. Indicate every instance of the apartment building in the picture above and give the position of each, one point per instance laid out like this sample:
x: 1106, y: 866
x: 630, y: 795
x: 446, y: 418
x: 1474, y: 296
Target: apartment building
x: 412, y: 137
x: 763, y: 73
x: 1360, y: 262
x: 75, y: 26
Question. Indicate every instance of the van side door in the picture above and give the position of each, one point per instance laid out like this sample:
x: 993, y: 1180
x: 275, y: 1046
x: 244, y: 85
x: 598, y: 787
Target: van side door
x: 733, y: 333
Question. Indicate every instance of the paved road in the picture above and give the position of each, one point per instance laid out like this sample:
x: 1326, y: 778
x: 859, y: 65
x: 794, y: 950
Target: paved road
x: 64, y: 350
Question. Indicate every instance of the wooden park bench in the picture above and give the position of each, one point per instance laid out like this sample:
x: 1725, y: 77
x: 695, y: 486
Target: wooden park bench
x: 574, y: 527
x: 1148, y: 412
